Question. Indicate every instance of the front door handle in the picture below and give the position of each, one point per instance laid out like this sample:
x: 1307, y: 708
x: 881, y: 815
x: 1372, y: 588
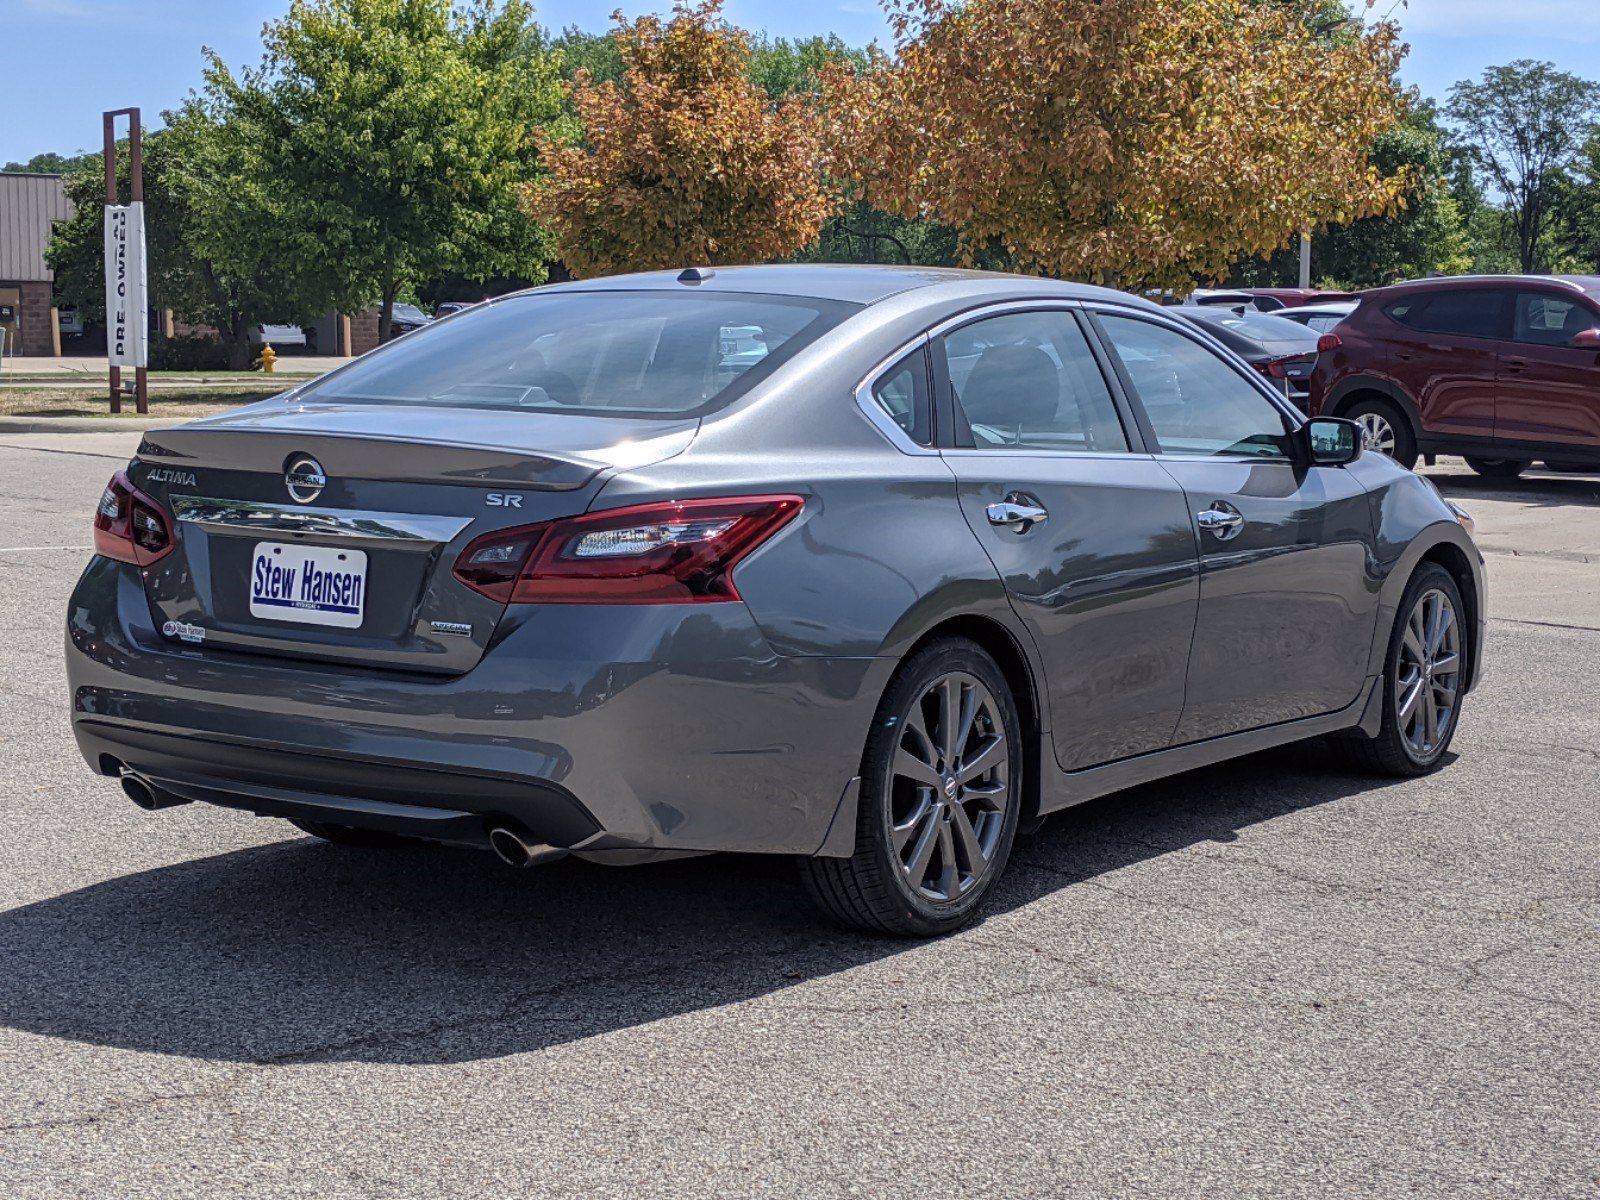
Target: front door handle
x: 1017, y: 513
x: 1221, y: 519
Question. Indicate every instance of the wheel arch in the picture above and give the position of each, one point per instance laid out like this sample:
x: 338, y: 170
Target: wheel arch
x: 1459, y: 567
x: 1344, y: 397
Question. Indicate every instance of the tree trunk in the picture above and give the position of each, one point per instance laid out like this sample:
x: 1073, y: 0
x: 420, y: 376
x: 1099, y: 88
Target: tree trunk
x: 386, y: 311
x: 236, y: 337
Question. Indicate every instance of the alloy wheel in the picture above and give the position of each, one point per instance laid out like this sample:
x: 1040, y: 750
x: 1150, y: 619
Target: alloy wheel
x: 1376, y: 433
x: 949, y: 787
x: 1428, y: 675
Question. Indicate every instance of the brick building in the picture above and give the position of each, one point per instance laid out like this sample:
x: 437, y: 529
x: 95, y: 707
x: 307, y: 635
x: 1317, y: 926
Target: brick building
x: 30, y: 205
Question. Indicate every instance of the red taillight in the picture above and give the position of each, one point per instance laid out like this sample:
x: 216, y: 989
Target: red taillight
x: 1278, y: 368
x: 672, y: 553
x: 129, y: 526
x: 1329, y: 341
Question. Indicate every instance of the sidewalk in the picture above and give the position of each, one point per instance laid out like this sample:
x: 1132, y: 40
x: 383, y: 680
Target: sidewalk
x: 90, y: 370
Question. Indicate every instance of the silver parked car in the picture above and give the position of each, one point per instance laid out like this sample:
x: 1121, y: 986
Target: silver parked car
x: 867, y: 566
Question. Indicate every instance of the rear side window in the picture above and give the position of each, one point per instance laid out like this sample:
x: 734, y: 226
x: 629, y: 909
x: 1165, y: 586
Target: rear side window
x: 902, y: 393
x: 1546, y: 320
x: 635, y: 354
x: 1029, y: 380
x: 1467, y: 313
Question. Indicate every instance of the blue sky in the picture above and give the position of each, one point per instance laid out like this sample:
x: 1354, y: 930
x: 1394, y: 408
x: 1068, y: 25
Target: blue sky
x: 72, y: 59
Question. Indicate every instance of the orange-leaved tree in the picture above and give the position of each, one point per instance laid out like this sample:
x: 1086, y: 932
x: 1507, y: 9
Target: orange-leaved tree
x: 682, y: 162
x: 1137, y: 143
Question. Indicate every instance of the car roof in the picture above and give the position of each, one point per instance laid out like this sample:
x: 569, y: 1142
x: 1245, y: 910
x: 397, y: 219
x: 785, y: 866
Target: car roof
x: 1587, y: 284
x: 848, y: 282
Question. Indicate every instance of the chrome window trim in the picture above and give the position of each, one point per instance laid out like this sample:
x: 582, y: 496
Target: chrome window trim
x: 407, y: 531
x: 874, y: 412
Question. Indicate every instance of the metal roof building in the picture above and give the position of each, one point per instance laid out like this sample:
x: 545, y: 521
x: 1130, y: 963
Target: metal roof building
x: 30, y: 205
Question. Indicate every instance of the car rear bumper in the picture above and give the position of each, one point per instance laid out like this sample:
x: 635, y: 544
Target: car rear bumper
x: 621, y: 728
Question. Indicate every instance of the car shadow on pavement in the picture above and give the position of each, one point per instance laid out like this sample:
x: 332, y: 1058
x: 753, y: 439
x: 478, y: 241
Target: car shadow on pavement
x: 302, y: 952
x: 1538, y: 491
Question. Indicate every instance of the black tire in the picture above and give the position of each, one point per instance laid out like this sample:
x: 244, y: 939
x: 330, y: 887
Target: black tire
x: 1392, y: 752
x: 1498, y: 468
x: 1573, y: 468
x: 348, y: 835
x: 1369, y: 410
x: 873, y: 889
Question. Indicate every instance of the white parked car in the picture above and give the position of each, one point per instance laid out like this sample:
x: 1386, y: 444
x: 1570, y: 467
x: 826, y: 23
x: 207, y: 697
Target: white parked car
x: 277, y: 335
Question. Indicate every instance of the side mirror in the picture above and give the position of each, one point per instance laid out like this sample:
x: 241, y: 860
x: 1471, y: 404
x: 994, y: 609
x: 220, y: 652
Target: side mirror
x: 1332, y: 441
x: 1589, y: 339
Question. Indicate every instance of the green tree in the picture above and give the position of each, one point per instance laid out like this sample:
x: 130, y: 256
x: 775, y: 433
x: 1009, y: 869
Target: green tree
x: 50, y: 163
x: 1577, y: 206
x: 215, y: 237
x: 397, y: 132
x: 1524, y: 123
x: 1428, y: 235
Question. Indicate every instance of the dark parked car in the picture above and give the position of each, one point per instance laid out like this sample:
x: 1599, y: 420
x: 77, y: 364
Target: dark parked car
x: 408, y: 318
x: 1500, y: 369
x: 1282, y: 350
x: 942, y: 552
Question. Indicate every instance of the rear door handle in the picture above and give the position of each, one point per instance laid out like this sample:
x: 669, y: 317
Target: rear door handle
x: 1017, y: 513
x: 1221, y: 519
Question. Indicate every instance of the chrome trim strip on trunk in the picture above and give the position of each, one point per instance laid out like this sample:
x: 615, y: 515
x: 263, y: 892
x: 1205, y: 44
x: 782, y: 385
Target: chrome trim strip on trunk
x: 249, y: 518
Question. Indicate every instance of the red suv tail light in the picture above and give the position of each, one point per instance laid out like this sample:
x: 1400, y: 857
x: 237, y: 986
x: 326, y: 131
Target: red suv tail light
x: 1329, y: 341
x: 129, y: 526
x: 672, y: 553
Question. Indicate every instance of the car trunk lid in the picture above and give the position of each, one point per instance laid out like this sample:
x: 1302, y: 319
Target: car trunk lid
x: 329, y: 532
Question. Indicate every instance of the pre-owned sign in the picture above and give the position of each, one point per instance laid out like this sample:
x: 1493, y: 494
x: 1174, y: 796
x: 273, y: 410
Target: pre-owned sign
x: 127, y: 290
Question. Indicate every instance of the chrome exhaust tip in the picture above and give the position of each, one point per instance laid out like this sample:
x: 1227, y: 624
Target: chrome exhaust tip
x: 515, y: 850
x: 148, y: 797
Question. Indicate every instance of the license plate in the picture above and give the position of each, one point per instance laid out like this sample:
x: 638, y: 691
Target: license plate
x: 310, y: 585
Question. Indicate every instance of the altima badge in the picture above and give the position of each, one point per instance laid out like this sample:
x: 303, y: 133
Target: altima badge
x: 304, y: 478
x: 455, y: 628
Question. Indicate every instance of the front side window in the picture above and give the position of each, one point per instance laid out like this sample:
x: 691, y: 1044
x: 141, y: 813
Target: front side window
x: 1546, y: 320
x: 1197, y: 403
x: 902, y: 393
x: 639, y: 354
x: 1028, y: 380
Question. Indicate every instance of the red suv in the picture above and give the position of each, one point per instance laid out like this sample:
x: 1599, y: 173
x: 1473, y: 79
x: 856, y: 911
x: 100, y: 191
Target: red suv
x: 1500, y: 369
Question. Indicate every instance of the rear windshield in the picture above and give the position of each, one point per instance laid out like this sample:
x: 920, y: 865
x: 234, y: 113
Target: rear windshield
x: 667, y: 354
x: 1273, y: 333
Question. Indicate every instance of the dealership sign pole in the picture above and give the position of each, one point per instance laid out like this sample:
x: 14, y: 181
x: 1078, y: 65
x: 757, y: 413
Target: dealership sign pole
x: 127, y: 284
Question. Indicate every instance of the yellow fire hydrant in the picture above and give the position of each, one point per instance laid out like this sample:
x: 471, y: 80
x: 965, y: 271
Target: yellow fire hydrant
x: 269, y: 356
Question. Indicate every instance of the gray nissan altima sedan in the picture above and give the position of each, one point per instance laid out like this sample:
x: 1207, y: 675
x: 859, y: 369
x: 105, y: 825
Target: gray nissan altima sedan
x: 869, y: 566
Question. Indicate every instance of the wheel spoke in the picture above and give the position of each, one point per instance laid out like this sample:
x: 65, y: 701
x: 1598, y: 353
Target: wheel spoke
x: 991, y: 795
x: 949, y: 874
x: 911, y: 767
x: 966, y: 838
x: 922, y: 853
x: 1446, y: 618
x: 1446, y: 664
x: 1413, y: 642
x: 967, y: 715
x: 1408, y: 705
x: 900, y: 834
x: 1430, y: 712
x: 949, y: 715
x: 990, y: 755
x: 915, y: 729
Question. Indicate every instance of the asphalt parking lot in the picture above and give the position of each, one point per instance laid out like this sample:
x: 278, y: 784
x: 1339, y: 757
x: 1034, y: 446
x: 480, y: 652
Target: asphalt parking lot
x: 1273, y: 978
